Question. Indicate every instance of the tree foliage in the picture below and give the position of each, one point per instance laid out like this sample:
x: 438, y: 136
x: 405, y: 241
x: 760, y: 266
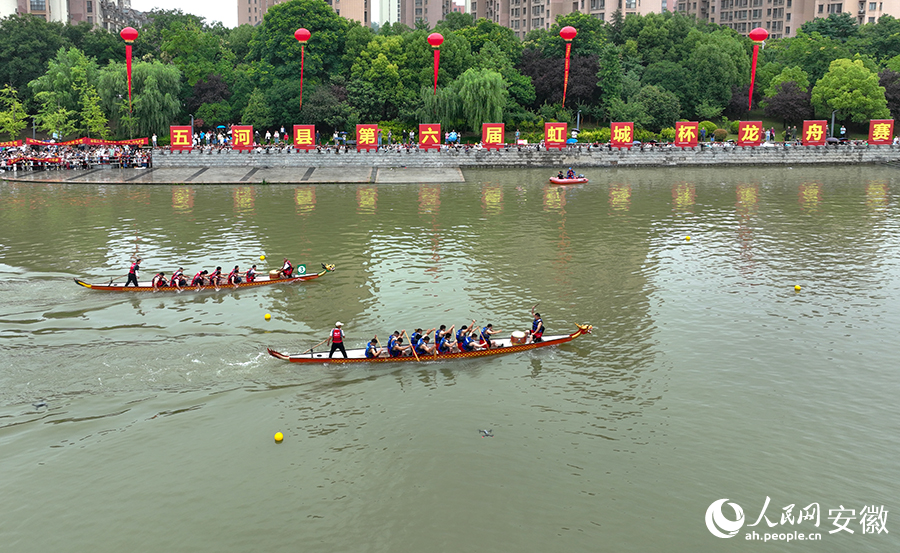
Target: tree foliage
x: 851, y: 89
x: 13, y: 118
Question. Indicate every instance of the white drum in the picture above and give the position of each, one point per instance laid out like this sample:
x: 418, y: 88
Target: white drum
x: 518, y: 337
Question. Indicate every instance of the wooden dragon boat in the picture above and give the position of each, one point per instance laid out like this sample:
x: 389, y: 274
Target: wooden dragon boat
x: 261, y: 280
x: 504, y: 346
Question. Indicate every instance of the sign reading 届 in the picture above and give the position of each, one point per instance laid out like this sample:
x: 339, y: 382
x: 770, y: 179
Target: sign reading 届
x: 492, y: 135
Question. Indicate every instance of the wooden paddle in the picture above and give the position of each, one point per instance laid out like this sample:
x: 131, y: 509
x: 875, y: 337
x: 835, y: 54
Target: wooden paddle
x: 317, y: 345
x: 412, y: 345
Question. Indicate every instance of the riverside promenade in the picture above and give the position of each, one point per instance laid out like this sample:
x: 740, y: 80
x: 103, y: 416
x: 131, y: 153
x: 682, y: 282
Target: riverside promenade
x: 402, y: 165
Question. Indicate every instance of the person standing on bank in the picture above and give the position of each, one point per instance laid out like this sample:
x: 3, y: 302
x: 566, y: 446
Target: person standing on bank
x: 337, y: 339
x: 133, y: 271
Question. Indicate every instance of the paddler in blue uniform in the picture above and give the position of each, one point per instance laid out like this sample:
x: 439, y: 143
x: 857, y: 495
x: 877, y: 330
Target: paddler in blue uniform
x: 373, y: 351
x: 423, y: 347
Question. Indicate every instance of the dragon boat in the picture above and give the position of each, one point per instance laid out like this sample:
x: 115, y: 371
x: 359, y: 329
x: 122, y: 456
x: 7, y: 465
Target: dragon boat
x: 504, y: 346
x: 261, y: 280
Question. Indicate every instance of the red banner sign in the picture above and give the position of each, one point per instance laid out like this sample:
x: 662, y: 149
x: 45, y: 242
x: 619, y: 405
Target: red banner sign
x: 242, y: 137
x: 430, y: 136
x: 180, y: 138
x: 750, y: 133
x: 492, y: 135
x: 621, y: 135
x: 12, y: 144
x: 881, y: 131
x: 687, y: 133
x: 304, y: 137
x: 814, y: 133
x: 555, y: 135
x: 366, y: 137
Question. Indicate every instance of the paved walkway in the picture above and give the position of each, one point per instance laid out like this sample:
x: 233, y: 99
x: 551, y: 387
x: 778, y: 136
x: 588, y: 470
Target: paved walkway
x: 243, y: 175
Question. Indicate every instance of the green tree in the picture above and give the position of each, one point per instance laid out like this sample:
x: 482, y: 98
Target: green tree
x: 851, y: 89
x: 789, y: 74
x: 257, y: 112
x: 195, y: 52
x: 53, y: 117
x: 661, y: 106
x: 93, y: 121
x: 837, y: 26
x: 155, y: 95
x: 12, y: 113
x: 66, y: 73
x: 26, y: 43
x: 609, y: 80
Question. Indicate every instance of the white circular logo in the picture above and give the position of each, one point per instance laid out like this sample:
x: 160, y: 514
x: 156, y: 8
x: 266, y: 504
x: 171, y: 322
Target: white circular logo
x: 720, y: 526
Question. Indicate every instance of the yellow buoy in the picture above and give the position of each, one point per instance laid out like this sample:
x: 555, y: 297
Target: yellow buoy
x: 797, y: 288
x: 687, y: 238
x: 262, y: 258
x: 268, y: 316
x: 278, y: 437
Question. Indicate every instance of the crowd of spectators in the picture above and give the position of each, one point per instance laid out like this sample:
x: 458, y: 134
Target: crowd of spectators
x: 46, y: 158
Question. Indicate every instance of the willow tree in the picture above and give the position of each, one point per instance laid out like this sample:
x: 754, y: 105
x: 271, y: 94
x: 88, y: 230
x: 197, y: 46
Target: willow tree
x: 481, y: 96
x: 155, y: 88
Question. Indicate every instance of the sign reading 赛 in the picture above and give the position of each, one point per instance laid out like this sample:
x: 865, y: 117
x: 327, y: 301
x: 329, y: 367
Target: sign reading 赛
x: 621, y: 135
x: 180, y: 138
x: 492, y: 135
x: 814, y: 133
x: 555, y: 135
x: 687, y: 133
x: 750, y: 133
x: 304, y: 137
x: 881, y: 131
x: 366, y: 137
x: 429, y: 135
x: 242, y: 137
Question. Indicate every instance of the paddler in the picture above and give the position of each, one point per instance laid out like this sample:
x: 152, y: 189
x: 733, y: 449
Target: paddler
x: 337, y: 339
x: 486, y: 333
x: 287, y: 270
x: 234, y: 277
x: 198, y: 278
x: 133, y: 271
x: 159, y: 281
x: 251, y: 274
x: 373, y: 351
x: 396, y: 347
x: 177, y: 279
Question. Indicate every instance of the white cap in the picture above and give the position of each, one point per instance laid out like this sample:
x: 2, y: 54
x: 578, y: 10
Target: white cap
x: 339, y: 323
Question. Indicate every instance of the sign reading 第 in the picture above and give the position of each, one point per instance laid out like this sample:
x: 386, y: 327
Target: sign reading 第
x: 621, y: 135
x: 242, y: 137
x: 750, y: 133
x: 366, y: 137
x: 304, y: 137
x: 429, y: 135
x: 555, y: 135
x: 492, y: 135
x: 180, y: 138
x: 814, y: 133
x: 881, y: 131
x: 687, y: 133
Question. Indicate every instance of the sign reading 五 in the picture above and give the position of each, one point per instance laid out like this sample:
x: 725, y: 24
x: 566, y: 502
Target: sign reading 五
x: 429, y: 135
x: 492, y: 135
x: 366, y: 137
x: 621, y: 135
x: 304, y: 137
x: 555, y: 135
x: 242, y: 137
x: 750, y: 133
x: 687, y: 133
x: 180, y: 138
x: 881, y: 131
x: 814, y: 133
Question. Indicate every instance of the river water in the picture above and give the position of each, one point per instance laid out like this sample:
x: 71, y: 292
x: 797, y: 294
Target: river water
x: 145, y: 423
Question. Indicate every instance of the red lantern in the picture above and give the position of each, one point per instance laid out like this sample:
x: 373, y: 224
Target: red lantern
x: 302, y: 36
x: 435, y: 40
x: 129, y: 35
x: 567, y: 33
x: 758, y: 36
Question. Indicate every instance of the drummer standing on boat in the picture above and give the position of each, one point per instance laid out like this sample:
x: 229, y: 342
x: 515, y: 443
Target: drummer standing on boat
x: 537, y: 326
x: 133, y: 271
x: 337, y: 339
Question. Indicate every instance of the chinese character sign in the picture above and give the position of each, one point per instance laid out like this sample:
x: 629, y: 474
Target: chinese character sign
x: 555, y: 134
x: 492, y: 135
x: 814, y: 133
x: 430, y: 135
x: 180, y: 138
x: 621, y: 135
x: 686, y: 133
x: 750, y: 133
x: 242, y: 137
x: 366, y: 137
x: 304, y: 137
x: 881, y: 131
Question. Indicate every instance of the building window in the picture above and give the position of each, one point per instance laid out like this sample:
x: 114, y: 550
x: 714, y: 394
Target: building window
x: 632, y: 4
x: 38, y: 5
x: 787, y: 30
x: 90, y: 6
x: 872, y: 6
x: 821, y: 8
x: 871, y: 20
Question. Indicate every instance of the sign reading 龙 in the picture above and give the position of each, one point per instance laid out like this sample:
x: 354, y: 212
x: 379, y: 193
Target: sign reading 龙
x: 492, y: 135
x: 750, y: 133
x: 366, y: 137
x: 180, y: 138
x: 555, y: 135
x: 621, y: 135
x: 686, y: 133
x: 242, y: 137
x: 881, y: 131
x: 304, y: 137
x: 814, y: 133
x: 429, y: 135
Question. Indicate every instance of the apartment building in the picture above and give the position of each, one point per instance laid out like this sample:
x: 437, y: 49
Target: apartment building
x: 251, y: 12
x: 112, y: 15
x: 782, y: 18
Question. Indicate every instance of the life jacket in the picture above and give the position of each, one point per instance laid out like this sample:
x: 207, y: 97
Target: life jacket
x: 337, y: 336
x: 232, y: 274
x: 420, y: 346
x: 370, y: 350
x: 443, y: 344
x: 466, y: 343
x: 197, y: 278
x: 251, y: 275
x: 134, y: 268
x: 160, y: 280
x: 391, y: 342
x: 485, y: 337
x: 537, y: 323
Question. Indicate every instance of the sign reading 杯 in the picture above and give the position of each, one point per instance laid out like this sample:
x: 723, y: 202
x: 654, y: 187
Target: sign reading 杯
x: 687, y: 133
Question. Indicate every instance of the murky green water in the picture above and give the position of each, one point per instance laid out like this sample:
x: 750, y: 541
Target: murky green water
x: 708, y: 376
